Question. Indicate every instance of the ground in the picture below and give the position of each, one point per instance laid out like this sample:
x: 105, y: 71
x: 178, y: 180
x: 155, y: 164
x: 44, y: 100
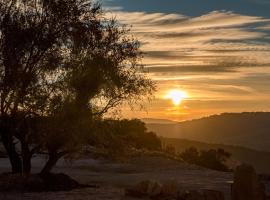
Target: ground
x: 113, y: 177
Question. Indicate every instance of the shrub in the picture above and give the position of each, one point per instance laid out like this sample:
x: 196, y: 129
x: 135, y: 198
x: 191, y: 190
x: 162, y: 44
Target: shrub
x: 121, y: 136
x: 213, y: 158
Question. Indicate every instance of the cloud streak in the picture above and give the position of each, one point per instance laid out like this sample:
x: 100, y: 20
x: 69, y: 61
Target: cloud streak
x: 221, y: 57
x: 177, y: 34
x: 198, y: 40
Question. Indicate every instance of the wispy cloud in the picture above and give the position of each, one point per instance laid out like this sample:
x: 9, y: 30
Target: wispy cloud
x: 199, y: 41
x: 221, y: 57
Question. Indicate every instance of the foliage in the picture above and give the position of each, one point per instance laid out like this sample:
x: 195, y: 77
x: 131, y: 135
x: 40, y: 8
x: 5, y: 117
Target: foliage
x: 62, y: 65
x: 213, y: 159
x: 170, y: 149
x: 191, y: 155
x: 121, y: 136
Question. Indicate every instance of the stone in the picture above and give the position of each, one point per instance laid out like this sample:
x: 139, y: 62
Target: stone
x: 193, y: 195
x: 201, y: 195
x: 213, y: 195
x: 145, y: 188
x: 34, y: 183
x: 154, y: 189
x: 59, y: 182
x: 169, y: 188
x: 246, y: 185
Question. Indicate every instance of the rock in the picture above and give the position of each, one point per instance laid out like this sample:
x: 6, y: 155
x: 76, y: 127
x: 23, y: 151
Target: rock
x: 34, y: 183
x: 154, y: 189
x: 201, y: 195
x: 190, y: 195
x: 59, y: 182
x: 169, y: 188
x: 246, y: 185
x: 213, y: 195
x: 11, y: 182
x: 144, y: 188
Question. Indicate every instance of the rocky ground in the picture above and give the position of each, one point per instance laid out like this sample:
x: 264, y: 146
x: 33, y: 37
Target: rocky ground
x: 113, y: 177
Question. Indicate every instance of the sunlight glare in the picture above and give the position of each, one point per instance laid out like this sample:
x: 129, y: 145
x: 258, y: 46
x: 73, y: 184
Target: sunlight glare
x: 176, y: 96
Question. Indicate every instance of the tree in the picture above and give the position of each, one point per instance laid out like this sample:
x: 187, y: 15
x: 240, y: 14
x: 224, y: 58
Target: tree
x: 190, y: 155
x: 121, y: 136
x: 212, y: 158
x: 62, y: 65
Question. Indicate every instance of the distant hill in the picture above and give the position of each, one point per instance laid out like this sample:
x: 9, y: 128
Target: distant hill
x: 158, y: 121
x: 251, y: 130
x: 259, y: 159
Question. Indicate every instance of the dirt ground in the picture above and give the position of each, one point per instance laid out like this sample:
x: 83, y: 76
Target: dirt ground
x: 113, y: 177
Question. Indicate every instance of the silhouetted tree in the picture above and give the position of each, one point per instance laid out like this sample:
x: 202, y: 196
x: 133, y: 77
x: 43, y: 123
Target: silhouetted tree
x: 190, y: 155
x: 170, y: 149
x: 62, y: 64
x: 212, y: 158
x: 121, y: 136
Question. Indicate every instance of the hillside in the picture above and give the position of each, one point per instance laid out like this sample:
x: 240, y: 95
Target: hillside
x: 157, y: 121
x: 251, y: 130
x: 259, y: 159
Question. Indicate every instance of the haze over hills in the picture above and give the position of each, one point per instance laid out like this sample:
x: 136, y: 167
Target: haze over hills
x: 259, y: 159
x: 249, y: 129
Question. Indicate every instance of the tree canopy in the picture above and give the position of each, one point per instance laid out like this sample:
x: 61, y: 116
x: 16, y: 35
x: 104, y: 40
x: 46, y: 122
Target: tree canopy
x: 121, y: 137
x: 63, y: 63
x: 213, y: 158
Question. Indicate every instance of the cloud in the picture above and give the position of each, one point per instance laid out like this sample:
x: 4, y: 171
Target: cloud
x: 222, y: 59
x: 180, y: 43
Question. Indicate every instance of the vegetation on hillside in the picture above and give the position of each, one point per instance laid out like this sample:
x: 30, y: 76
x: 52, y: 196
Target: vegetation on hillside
x: 121, y: 137
x: 249, y: 129
x: 259, y: 159
x: 213, y: 159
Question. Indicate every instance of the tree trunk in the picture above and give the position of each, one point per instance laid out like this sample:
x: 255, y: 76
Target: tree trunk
x: 53, y: 158
x: 13, y: 156
x: 26, y: 159
x: 26, y: 165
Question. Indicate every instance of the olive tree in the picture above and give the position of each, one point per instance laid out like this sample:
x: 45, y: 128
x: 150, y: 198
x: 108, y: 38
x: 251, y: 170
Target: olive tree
x: 63, y: 64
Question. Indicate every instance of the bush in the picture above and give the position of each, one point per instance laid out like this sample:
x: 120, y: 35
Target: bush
x: 212, y: 158
x: 170, y: 149
x: 121, y: 136
x: 190, y: 155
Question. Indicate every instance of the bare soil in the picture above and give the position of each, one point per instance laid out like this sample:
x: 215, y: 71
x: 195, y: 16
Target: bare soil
x: 113, y: 177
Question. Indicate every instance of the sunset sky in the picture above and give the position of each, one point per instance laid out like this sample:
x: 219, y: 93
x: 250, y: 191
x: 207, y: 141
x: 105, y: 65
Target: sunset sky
x: 215, y: 53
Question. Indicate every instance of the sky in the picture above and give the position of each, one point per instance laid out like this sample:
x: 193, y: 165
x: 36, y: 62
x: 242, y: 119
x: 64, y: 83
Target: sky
x: 215, y: 52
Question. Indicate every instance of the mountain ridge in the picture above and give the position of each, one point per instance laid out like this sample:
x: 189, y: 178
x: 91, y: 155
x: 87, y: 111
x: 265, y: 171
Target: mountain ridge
x: 158, y: 121
x: 247, y: 129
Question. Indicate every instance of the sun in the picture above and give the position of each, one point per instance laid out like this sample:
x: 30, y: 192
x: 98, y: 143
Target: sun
x: 176, y: 96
